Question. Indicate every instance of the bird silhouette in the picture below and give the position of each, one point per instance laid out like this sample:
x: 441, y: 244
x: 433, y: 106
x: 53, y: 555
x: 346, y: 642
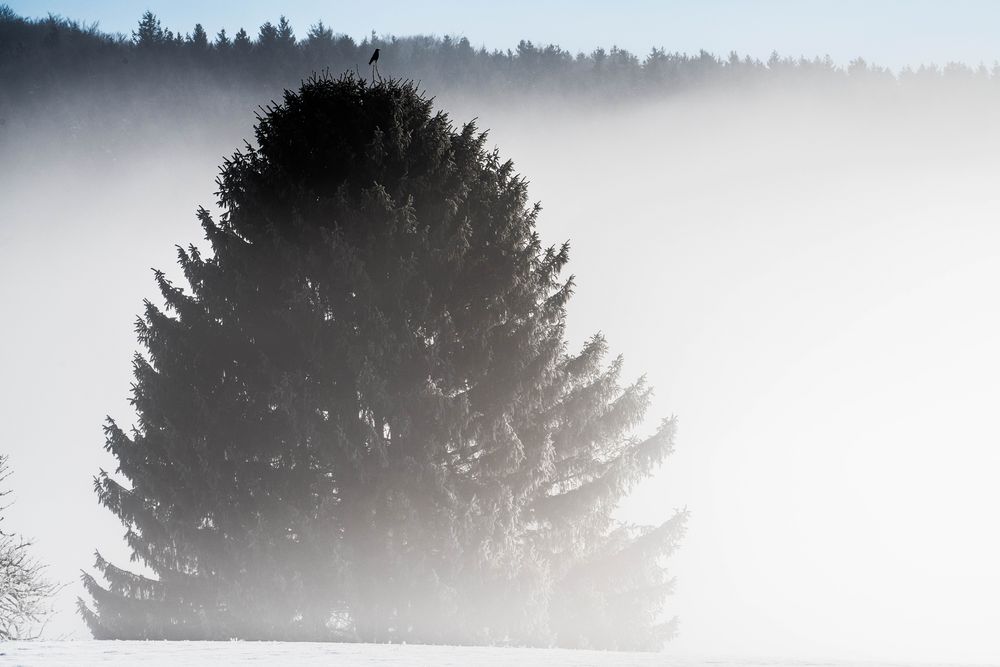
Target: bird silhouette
x: 374, y: 63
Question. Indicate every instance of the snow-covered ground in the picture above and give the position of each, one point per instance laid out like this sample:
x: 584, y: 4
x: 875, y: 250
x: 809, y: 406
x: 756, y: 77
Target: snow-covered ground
x: 216, y: 654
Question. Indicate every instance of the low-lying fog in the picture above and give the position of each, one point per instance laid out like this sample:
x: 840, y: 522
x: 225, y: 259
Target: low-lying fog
x: 809, y: 282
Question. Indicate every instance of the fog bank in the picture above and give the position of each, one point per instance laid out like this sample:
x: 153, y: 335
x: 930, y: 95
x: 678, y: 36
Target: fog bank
x: 806, y: 277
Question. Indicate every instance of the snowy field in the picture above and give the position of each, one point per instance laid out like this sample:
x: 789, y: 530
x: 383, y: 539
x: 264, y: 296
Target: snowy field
x: 155, y: 654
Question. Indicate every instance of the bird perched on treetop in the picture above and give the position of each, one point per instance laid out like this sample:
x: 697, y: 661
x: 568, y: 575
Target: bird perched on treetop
x: 374, y: 58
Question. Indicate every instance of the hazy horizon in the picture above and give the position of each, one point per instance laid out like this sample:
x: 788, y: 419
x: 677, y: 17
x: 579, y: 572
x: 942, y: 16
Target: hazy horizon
x: 890, y: 33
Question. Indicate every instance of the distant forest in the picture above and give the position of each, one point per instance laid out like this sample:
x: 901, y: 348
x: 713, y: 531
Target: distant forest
x: 56, y: 69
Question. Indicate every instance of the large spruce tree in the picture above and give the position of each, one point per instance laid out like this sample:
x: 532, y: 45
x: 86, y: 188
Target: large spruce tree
x: 362, y: 421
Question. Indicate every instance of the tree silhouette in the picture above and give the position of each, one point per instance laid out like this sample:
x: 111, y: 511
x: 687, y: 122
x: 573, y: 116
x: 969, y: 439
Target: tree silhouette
x: 150, y: 32
x: 25, y: 593
x: 267, y: 37
x: 54, y: 63
x: 241, y: 42
x: 285, y: 34
x: 362, y: 422
x: 199, y: 38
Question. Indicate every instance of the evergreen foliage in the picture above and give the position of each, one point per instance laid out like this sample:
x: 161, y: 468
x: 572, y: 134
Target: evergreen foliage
x: 361, y: 420
x: 199, y: 38
x: 55, y: 63
x: 107, y: 93
x: 148, y: 34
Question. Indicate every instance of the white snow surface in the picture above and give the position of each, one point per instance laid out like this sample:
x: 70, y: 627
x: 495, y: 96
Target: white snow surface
x: 214, y: 654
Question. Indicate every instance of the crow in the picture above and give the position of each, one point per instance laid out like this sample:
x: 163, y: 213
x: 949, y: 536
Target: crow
x: 374, y: 63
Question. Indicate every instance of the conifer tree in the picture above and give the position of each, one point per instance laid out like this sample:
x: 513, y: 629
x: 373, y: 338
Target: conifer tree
x: 285, y: 35
x: 267, y: 37
x: 361, y: 420
x: 319, y: 33
x: 150, y: 32
x: 241, y: 42
x: 199, y: 38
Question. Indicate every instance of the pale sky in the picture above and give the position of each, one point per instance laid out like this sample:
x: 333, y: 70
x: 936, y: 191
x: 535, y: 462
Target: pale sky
x: 889, y: 32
